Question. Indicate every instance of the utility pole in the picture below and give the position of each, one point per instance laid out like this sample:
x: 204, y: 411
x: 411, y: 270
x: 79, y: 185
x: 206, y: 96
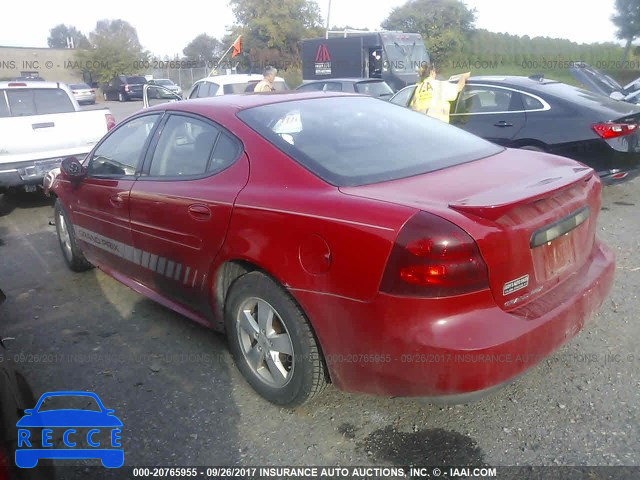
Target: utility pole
x: 328, y: 15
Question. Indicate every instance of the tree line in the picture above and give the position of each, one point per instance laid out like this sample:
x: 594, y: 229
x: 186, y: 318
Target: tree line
x: 272, y: 30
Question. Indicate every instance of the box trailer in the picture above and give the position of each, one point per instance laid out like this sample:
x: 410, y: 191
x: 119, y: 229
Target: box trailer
x: 392, y: 56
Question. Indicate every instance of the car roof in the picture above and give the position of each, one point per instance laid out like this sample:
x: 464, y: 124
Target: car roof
x: 236, y: 78
x: 513, y: 80
x: 237, y: 102
x: 31, y: 84
x: 353, y: 79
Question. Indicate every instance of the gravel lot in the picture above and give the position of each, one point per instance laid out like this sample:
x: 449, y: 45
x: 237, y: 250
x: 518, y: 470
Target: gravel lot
x: 182, y: 401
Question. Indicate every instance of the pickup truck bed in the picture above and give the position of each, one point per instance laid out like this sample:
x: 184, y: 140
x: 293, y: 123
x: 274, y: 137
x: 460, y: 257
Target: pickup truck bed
x: 40, y: 125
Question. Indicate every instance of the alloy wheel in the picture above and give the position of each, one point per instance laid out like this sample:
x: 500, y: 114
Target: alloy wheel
x: 265, y: 342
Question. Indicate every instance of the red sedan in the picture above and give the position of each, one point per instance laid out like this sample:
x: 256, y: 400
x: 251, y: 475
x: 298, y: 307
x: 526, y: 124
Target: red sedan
x: 338, y: 238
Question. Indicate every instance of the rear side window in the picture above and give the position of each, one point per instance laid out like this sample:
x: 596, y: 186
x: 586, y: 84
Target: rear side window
x: 225, y: 153
x: 188, y: 146
x: 487, y: 100
x: 31, y: 101
x: 184, y: 148
x: 531, y: 103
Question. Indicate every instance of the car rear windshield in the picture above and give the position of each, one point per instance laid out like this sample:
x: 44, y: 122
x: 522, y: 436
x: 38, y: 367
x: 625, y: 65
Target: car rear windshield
x: 134, y: 80
x: 247, y: 87
x: 375, y: 89
x: 79, y: 86
x: 163, y: 82
x: 349, y: 141
x: 34, y: 101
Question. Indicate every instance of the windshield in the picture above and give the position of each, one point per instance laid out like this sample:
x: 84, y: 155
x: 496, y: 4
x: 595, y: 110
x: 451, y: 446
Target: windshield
x: 406, y: 55
x: 348, y: 141
x: 375, y: 89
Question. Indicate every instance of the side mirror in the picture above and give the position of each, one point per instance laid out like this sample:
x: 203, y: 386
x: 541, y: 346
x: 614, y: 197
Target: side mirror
x: 617, y: 96
x: 72, y: 168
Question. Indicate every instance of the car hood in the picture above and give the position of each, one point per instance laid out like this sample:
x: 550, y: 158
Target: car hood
x: 598, y: 82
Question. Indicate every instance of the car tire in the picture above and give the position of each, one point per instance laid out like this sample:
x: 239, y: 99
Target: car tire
x: 121, y: 97
x: 105, y: 96
x: 261, y: 316
x: 67, y: 238
x: 16, y: 396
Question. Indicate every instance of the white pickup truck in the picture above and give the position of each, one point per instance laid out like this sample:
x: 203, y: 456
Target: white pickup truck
x: 41, y: 123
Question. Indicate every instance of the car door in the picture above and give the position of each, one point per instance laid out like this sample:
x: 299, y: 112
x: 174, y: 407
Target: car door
x: 491, y: 112
x: 403, y: 96
x: 100, y: 202
x: 181, y: 206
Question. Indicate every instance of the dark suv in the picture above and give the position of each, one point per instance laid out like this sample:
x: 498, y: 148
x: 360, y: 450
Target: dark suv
x: 124, y: 88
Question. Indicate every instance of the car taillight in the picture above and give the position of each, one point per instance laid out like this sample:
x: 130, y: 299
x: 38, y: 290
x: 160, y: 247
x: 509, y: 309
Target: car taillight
x: 111, y: 121
x: 433, y: 258
x: 126, y: 88
x: 17, y: 84
x: 612, y: 130
x: 92, y: 91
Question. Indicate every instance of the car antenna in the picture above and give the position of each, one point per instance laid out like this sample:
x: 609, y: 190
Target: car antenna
x: 538, y: 77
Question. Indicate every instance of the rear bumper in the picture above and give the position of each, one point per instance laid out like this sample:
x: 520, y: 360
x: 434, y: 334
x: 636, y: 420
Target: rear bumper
x: 615, y: 176
x: 134, y: 94
x: 614, y: 160
x: 454, y: 349
x: 86, y: 98
x: 31, y: 172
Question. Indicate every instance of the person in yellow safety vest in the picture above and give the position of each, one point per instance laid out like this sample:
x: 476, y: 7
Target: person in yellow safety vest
x: 432, y: 96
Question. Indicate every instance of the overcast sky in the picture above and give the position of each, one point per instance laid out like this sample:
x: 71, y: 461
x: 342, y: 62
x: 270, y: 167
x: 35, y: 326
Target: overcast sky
x: 166, y: 33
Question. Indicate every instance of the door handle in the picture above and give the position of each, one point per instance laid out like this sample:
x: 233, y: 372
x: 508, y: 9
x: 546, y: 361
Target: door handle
x: 116, y: 200
x: 199, y: 212
x: 503, y: 123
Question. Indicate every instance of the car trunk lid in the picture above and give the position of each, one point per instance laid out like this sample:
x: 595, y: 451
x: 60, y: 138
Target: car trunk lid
x: 532, y: 215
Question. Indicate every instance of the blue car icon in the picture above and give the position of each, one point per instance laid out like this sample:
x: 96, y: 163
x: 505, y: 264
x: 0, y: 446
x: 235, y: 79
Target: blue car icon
x: 31, y: 447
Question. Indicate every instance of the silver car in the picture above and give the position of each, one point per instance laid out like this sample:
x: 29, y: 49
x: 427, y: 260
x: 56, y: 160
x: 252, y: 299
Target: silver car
x: 168, y: 84
x: 83, y: 93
